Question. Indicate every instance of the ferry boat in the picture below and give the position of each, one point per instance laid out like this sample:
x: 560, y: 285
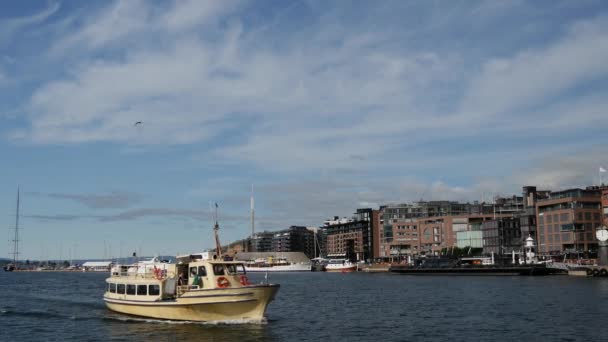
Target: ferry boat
x: 197, y: 287
x: 340, y: 265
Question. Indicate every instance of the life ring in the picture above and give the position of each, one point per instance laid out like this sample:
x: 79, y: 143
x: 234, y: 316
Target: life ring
x: 223, y: 282
x: 596, y: 272
x: 244, y: 280
x: 603, y: 272
x: 589, y: 272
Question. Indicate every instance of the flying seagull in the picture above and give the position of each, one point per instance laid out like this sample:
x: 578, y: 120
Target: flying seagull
x: 137, y: 123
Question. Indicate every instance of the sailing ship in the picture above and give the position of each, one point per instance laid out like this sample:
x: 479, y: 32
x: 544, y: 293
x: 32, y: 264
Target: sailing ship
x: 271, y: 264
x: 13, y: 266
x: 196, y: 287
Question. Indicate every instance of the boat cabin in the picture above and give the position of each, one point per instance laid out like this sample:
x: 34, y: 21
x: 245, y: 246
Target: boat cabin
x: 155, y: 280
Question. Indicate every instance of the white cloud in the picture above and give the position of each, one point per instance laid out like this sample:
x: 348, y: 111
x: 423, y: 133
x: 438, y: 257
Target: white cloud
x: 10, y: 27
x: 513, y: 84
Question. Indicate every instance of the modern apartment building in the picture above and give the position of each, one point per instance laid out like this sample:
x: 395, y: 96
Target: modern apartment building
x: 354, y: 238
x: 567, y: 220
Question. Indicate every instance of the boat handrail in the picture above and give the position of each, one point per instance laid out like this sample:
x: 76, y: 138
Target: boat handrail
x: 147, y: 275
x: 181, y: 289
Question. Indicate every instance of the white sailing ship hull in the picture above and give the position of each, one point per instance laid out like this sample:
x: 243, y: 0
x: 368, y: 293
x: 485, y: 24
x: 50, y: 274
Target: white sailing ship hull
x: 280, y: 268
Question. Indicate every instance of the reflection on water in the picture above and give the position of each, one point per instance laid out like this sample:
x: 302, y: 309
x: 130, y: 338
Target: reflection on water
x: 119, y: 326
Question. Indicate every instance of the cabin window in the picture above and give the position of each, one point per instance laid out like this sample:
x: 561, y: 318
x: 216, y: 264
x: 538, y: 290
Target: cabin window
x: 130, y: 289
x: 120, y: 289
x: 142, y: 290
x: 192, y: 272
x: 231, y: 269
x: 218, y: 269
x: 113, y: 287
x: 202, y: 271
x: 154, y: 290
x: 240, y: 269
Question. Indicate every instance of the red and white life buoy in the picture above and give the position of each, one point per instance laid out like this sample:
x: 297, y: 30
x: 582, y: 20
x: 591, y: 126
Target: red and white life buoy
x: 223, y: 282
x: 244, y: 280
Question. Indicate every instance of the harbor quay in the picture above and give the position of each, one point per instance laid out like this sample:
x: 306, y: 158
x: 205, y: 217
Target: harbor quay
x: 563, y: 228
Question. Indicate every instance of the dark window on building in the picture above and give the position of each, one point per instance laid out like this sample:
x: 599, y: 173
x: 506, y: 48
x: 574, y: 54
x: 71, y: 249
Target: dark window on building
x: 564, y: 217
x: 120, y: 289
x: 596, y: 216
x: 566, y: 237
x: 587, y: 216
x: 154, y: 290
x: 579, y: 216
x: 549, y: 219
x: 142, y: 290
x: 541, y: 220
x: 130, y: 289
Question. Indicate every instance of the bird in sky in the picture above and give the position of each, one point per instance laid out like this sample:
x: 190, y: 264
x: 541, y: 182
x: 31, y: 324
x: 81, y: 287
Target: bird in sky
x: 137, y: 123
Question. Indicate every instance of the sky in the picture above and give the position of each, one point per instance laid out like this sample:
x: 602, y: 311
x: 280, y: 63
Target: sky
x: 323, y: 106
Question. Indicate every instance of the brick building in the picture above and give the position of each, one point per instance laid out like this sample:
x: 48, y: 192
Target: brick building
x: 356, y: 238
x: 567, y: 220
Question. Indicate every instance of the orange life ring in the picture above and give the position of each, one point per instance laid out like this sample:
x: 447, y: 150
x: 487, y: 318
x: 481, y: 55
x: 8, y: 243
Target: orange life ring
x: 244, y: 280
x: 223, y: 282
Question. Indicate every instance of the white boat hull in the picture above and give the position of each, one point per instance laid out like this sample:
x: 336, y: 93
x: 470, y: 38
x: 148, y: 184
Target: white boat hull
x: 220, y: 305
x: 279, y: 268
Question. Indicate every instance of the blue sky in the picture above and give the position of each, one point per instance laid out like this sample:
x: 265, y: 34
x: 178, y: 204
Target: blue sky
x: 324, y: 106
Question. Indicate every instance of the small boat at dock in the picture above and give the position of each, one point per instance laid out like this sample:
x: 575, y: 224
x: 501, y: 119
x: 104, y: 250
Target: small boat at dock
x: 340, y: 265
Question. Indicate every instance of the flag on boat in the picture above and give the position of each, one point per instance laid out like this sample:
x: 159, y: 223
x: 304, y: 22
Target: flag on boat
x: 602, y: 169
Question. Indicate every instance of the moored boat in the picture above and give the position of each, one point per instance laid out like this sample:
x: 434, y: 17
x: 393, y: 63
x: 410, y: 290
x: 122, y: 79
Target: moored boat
x: 340, y: 265
x: 280, y: 265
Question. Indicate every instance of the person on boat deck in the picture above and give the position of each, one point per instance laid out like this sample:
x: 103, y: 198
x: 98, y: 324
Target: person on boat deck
x: 181, y: 280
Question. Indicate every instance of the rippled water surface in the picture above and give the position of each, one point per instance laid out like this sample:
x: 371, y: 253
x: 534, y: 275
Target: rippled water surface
x: 41, y: 306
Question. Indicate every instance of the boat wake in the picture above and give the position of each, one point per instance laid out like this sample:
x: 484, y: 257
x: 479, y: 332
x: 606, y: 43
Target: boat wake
x: 43, y: 314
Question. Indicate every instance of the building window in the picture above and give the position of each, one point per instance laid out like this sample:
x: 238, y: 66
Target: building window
x: 587, y: 216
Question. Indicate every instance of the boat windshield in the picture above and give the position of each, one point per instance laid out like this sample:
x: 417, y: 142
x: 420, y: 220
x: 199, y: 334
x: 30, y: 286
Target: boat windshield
x: 228, y: 269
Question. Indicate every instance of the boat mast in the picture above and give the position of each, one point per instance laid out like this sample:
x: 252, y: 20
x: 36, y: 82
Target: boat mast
x: 216, y: 228
x: 16, y: 237
x: 252, y: 217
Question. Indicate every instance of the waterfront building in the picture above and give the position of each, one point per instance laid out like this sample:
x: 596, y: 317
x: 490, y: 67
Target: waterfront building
x: 294, y: 239
x: 527, y: 217
x: 567, y: 220
x: 501, y: 236
x: 605, y: 206
x: 262, y: 242
x: 354, y: 238
x: 471, y: 239
x: 436, y: 224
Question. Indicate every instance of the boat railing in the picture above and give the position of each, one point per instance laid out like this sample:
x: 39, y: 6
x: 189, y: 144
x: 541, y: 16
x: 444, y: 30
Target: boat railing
x: 181, y: 289
x: 147, y: 275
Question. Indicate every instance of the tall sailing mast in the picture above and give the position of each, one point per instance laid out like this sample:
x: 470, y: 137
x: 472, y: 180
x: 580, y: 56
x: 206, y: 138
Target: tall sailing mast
x: 252, y: 214
x: 16, y: 236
